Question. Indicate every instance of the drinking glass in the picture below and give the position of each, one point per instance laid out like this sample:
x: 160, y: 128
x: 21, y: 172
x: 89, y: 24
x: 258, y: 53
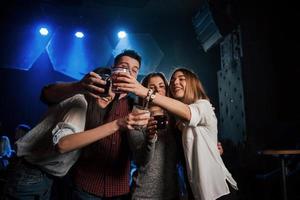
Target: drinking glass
x: 114, y: 76
x: 137, y: 109
x: 105, y: 77
x: 160, y: 116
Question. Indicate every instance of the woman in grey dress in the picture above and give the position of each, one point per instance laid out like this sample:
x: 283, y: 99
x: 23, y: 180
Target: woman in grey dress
x: 155, y: 153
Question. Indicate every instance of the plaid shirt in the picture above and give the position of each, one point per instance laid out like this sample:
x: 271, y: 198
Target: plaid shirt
x: 103, y: 168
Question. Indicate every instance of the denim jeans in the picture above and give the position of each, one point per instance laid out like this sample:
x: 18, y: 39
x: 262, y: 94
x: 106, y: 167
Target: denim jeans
x: 27, y: 182
x: 79, y: 194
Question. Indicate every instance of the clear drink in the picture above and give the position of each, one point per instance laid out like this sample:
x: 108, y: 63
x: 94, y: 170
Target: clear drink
x: 137, y: 109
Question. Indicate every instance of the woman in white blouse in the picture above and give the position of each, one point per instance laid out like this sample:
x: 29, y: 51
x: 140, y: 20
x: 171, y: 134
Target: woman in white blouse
x: 207, y: 174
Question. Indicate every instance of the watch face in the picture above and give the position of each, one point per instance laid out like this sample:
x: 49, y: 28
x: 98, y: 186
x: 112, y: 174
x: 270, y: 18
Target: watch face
x: 152, y: 97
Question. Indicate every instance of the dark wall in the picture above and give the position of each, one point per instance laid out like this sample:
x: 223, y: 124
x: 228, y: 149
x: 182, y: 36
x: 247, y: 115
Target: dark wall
x: 20, y: 89
x: 177, y: 39
x: 270, y: 77
x: 270, y: 72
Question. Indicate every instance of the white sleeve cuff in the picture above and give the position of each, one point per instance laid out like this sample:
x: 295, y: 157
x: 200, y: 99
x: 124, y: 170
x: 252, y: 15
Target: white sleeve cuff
x: 62, y: 129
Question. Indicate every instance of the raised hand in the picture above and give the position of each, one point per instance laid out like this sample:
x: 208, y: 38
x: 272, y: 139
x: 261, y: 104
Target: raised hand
x: 152, y: 128
x: 92, y: 84
x: 133, y: 120
x: 128, y: 83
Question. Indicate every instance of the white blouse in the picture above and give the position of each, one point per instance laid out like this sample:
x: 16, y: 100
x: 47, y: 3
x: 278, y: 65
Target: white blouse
x: 206, y: 171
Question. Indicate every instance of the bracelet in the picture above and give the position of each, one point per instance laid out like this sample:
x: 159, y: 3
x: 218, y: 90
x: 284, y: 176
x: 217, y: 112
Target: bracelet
x: 150, y: 92
x: 152, y: 96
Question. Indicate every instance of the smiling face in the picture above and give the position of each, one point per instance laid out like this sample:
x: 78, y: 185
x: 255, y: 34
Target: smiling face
x: 157, y: 84
x: 178, y: 85
x: 104, y: 101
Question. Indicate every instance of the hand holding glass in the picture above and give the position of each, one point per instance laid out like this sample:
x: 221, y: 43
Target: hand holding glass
x: 142, y: 112
x: 160, y: 116
x: 114, y: 76
x: 105, y: 77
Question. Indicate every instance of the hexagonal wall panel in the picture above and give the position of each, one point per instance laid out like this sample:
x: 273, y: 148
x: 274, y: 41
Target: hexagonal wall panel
x: 146, y: 46
x: 75, y: 57
x: 23, y: 47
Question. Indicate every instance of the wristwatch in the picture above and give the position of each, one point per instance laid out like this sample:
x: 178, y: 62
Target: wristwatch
x: 152, y: 96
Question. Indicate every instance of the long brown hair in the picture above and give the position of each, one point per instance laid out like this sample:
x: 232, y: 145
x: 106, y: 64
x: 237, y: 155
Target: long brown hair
x: 146, y: 80
x: 194, y: 89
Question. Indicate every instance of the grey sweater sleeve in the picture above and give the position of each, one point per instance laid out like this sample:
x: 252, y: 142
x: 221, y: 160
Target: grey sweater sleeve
x: 142, y: 148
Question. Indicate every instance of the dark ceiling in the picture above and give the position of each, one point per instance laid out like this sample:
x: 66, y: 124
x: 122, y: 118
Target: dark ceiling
x: 98, y: 13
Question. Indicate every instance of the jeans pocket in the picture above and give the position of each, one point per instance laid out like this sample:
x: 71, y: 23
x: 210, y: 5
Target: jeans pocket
x: 30, y: 176
x: 25, y: 176
x: 28, y: 182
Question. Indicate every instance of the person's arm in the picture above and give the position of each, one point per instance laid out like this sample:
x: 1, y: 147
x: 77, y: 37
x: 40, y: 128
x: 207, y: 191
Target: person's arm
x: 220, y: 148
x: 78, y: 140
x: 57, y: 92
x: 82, y: 139
x: 89, y: 84
x: 142, y: 146
x: 172, y: 105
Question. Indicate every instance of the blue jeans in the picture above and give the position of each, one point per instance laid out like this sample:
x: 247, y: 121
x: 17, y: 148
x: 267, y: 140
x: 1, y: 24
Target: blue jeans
x: 27, y: 182
x: 79, y: 194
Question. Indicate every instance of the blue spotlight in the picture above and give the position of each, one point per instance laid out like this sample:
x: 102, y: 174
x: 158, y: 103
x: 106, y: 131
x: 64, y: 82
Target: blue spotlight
x: 122, y: 34
x: 79, y: 34
x: 44, y: 31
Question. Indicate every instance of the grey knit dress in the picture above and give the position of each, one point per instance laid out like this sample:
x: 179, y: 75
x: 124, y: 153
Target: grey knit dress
x: 156, y: 161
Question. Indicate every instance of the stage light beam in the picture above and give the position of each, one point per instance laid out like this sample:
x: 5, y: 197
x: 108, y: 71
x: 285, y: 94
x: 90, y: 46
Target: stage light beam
x: 122, y: 34
x: 79, y: 34
x: 44, y: 31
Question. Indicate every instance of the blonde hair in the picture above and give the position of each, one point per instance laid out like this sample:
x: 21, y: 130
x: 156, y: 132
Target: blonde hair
x: 194, y: 89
